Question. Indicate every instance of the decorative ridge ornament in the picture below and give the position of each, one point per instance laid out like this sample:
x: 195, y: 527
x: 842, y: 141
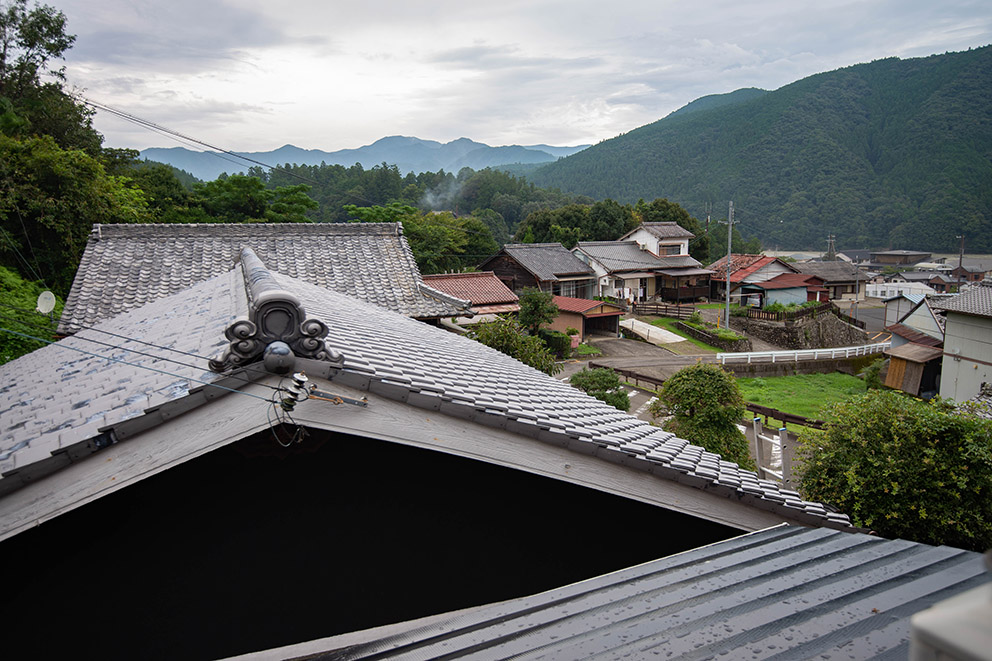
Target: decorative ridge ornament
x: 274, y: 315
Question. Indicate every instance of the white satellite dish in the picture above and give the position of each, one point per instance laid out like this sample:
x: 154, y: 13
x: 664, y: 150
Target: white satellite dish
x: 46, y: 302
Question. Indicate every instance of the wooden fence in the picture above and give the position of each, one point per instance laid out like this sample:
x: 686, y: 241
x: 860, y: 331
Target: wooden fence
x: 630, y: 375
x: 662, y: 310
x: 788, y: 315
x: 786, y: 418
x: 843, y: 316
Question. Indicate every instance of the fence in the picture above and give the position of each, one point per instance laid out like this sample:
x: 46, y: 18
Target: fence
x: 662, y: 310
x: 630, y: 374
x: 774, y: 453
x: 848, y: 318
x: 783, y: 315
x: 786, y: 418
x: 802, y: 354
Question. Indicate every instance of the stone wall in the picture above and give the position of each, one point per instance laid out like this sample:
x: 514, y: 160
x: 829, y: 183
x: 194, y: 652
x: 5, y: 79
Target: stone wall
x: 819, y: 332
x: 730, y: 346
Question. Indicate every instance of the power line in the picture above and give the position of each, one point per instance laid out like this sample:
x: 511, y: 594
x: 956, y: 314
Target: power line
x: 124, y: 362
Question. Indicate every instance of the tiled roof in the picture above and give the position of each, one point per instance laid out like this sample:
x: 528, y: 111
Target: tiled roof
x: 618, y: 256
x: 125, y: 266
x: 798, y: 280
x: 976, y: 301
x: 55, y: 400
x: 670, y: 230
x: 832, y: 271
x: 981, y: 404
x: 481, y: 288
x: 547, y: 261
x: 569, y: 304
x: 782, y: 593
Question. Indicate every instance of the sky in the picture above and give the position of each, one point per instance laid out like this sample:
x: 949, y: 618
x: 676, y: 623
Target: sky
x: 253, y: 75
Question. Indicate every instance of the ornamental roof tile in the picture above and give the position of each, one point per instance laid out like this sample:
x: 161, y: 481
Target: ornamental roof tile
x: 125, y: 266
x: 59, y: 404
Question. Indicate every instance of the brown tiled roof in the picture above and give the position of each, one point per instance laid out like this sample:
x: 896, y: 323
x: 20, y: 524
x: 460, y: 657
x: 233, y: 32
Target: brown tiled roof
x: 481, y: 288
x: 125, y: 266
x: 741, y: 266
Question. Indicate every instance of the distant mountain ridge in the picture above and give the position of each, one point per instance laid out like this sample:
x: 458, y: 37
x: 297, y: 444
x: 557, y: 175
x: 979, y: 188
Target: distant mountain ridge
x: 888, y: 154
x: 409, y: 154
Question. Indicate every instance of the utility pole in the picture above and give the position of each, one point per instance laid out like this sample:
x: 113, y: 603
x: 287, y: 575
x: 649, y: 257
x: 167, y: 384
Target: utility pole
x: 961, y: 251
x: 730, y: 233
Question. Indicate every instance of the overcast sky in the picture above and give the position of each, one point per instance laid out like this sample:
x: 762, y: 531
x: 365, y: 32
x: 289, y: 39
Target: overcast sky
x: 253, y: 75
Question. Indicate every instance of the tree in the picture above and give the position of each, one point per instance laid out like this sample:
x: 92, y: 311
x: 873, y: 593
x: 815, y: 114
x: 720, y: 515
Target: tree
x: 49, y: 203
x: 706, y: 406
x: 18, y: 298
x: 507, y: 336
x: 536, y: 307
x: 905, y: 468
x: 603, y: 384
x: 243, y: 199
x: 30, y: 41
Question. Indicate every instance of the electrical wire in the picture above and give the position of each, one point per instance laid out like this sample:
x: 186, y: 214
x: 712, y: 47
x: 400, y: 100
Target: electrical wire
x: 124, y: 362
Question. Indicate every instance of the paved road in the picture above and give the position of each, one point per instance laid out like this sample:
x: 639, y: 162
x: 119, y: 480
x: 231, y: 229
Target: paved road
x: 639, y: 398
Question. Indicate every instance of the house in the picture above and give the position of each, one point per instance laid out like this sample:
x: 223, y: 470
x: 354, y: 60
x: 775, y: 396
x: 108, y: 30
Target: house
x: 972, y: 270
x: 485, y: 292
x: 967, y: 362
x: 842, y: 280
x: 662, y: 239
x: 586, y: 316
x: 786, y: 289
x: 629, y: 270
x: 854, y: 256
x: 183, y: 492
x: 920, y: 322
x: 745, y: 270
x: 549, y: 267
x: 125, y: 266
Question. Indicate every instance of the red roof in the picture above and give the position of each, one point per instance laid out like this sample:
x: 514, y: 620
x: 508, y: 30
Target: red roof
x: 741, y: 266
x: 787, y: 280
x: 580, y: 305
x: 481, y: 288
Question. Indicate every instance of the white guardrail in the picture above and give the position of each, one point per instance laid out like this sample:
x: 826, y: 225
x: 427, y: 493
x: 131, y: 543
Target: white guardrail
x: 802, y: 354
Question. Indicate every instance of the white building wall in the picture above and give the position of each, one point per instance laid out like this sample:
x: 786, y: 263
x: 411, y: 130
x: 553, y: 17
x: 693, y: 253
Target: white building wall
x: 656, y: 245
x: 890, y: 289
x: 967, y: 356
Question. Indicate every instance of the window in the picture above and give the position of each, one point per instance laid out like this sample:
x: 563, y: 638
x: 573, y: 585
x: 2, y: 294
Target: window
x: 671, y: 250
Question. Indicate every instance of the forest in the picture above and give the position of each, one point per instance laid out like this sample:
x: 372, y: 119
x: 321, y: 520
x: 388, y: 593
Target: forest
x: 892, y: 154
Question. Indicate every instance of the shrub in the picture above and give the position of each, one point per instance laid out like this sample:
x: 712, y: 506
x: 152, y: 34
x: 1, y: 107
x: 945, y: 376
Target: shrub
x: 557, y: 342
x: 905, y: 468
x: 571, y: 331
x: 507, y: 336
x: 536, y: 307
x: 706, y: 406
x: 604, y: 385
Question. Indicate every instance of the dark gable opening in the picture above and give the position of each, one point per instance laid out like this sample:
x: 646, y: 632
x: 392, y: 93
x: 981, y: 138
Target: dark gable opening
x: 249, y: 548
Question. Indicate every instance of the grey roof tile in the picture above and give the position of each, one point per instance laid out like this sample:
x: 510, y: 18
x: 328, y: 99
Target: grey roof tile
x: 547, y: 261
x: 386, y: 353
x: 620, y: 256
x: 125, y: 266
x: 976, y: 301
x: 667, y: 230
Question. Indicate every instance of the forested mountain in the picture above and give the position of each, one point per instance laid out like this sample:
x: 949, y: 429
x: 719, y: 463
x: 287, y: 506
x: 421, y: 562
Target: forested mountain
x: 890, y: 154
x: 407, y: 153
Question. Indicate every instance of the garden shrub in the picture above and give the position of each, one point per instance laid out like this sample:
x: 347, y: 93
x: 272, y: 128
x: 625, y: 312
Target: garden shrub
x: 904, y: 468
x: 603, y: 384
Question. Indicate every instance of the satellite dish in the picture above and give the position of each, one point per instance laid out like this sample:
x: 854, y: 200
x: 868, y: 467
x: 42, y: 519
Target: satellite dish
x: 46, y: 302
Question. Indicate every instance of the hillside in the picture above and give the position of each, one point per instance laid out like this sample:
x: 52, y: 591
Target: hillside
x: 407, y: 153
x: 890, y: 154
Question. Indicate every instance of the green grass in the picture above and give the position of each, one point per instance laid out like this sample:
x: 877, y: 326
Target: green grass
x: 801, y: 394
x: 587, y: 350
x: 669, y: 324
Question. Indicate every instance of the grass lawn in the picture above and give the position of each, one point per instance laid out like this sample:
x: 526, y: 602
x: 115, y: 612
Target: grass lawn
x: 801, y: 394
x: 669, y: 324
x: 587, y: 350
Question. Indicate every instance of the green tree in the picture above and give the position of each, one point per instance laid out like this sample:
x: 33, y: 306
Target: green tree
x: 706, y: 406
x: 239, y: 198
x: 506, y: 335
x: 18, y: 298
x: 603, y: 384
x: 905, y: 468
x: 536, y: 307
x: 49, y: 203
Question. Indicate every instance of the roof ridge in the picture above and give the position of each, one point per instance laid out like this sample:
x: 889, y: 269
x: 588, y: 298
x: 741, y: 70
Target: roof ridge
x: 174, y: 230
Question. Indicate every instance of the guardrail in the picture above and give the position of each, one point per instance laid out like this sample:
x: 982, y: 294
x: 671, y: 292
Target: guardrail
x: 802, y: 354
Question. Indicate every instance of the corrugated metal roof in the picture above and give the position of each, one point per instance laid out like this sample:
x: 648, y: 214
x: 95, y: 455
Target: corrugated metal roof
x: 741, y: 266
x: 569, y: 304
x: 481, y: 288
x: 125, y: 266
x: 782, y: 593
x: 916, y: 353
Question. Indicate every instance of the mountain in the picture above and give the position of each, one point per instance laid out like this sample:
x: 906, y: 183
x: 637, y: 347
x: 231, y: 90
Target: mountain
x: 893, y: 153
x: 406, y: 153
